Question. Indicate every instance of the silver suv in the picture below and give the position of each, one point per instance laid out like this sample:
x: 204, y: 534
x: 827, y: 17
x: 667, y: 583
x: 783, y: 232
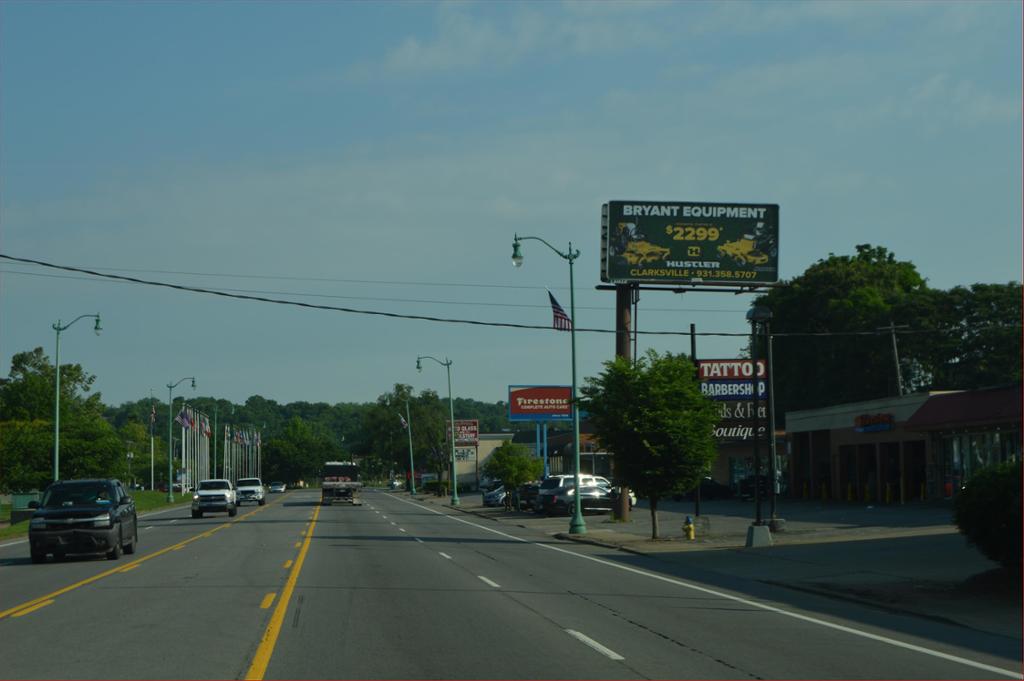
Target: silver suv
x: 550, y: 486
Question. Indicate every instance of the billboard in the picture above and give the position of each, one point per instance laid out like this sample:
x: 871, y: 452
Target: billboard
x: 663, y: 242
x: 539, y: 403
x: 467, y: 431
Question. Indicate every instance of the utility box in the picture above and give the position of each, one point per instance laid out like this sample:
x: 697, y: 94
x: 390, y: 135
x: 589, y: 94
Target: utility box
x: 19, y: 505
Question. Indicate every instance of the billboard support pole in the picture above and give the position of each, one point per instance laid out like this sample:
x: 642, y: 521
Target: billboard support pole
x: 623, y: 322
x: 693, y: 358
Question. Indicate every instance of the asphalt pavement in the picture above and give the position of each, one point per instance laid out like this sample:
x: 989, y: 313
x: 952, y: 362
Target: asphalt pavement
x: 907, y: 559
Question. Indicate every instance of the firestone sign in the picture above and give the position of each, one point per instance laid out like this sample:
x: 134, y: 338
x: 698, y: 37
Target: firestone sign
x: 539, y: 403
x: 681, y: 242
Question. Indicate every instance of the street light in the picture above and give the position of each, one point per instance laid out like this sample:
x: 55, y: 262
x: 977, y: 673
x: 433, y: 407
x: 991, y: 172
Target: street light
x: 170, y: 434
x: 447, y: 364
x: 758, y: 315
x: 576, y: 525
x: 56, y: 393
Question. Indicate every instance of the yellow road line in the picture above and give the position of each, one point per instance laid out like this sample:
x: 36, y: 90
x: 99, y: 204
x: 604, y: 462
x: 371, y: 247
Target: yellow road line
x: 266, y: 648
x: 32, y: 609
x: 267, y: 600
x: 287, y: 564
x: 298, y: 544
x: 106, y: 573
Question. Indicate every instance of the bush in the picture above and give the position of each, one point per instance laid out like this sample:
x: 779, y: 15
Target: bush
x: 988, y: 513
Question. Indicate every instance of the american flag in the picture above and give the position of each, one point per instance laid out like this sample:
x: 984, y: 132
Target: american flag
x: 184, y: 419
x: 402, y: 419
x: 561, y: 320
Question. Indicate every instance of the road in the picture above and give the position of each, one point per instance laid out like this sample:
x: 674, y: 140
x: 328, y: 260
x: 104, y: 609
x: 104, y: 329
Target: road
x: 401, y: 589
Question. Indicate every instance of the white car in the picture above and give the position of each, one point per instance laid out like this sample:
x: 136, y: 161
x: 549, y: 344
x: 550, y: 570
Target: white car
x: 277, y: 487
x: 250, y: 489
x: 214, y: 495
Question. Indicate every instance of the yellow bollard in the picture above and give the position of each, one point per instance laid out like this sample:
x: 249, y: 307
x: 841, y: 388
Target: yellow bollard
x: 689, y: 531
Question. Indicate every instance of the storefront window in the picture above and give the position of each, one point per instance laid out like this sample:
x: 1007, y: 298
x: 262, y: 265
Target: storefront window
x: 964, y: 454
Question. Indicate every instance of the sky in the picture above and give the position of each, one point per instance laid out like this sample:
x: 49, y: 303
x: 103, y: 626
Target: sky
x: 382, y: 156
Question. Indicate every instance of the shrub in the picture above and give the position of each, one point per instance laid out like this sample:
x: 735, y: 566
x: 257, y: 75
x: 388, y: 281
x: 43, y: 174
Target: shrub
x: 988, y: 513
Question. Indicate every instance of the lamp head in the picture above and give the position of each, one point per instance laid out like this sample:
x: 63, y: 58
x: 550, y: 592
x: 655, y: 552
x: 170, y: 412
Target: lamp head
x: 193, y: 384
x: 759, y: 313
x: 419, y: 367
x: 517, y: 256
x: 97, y: 328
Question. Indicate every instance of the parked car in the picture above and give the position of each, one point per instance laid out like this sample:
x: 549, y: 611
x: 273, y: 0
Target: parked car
x: 527, y: 495
x: 550, y: 486
x: 396, y: 484
x: 495, y: 497
x: 710, y: 489
x: 277, y: 487
x: 250, y: 489
x: 83, y: 516
x: 213, y: 496
x: 592, y: 498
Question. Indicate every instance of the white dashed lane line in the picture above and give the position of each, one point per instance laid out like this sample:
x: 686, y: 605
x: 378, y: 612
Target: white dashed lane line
x: 488, y: 582
x: 445, y: 555
x: 586, y: 640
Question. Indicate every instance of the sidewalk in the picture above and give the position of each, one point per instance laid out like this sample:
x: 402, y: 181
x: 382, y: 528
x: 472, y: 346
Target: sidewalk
x: 908, y: 559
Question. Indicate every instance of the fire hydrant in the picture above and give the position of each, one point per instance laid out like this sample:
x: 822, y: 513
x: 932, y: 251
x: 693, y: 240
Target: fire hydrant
x: 688, y: 529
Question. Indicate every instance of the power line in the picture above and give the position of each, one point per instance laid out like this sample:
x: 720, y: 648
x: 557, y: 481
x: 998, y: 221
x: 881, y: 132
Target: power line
x: 382, y: 299
x: 472, y: 322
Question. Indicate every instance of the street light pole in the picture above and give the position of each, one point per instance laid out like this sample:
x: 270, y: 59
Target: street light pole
x: 576, y: 524
x: 170, y: 434
x: 447, y: 364
x: 56, y: 393
x: 412, y: 470
x: 758, y: 315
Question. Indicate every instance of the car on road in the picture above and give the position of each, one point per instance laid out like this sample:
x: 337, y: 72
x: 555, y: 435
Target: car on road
x: 250, y: 490
x: 277, y: 487
x: 83, y: 516
x: 213, y: 496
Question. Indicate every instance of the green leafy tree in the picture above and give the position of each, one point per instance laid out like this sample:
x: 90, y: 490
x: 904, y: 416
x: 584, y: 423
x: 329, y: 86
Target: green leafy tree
x: 838, y: 294
x: 27, y: 393
x: 988, y: 513
x: 514, y: 465
x: 652, y: 416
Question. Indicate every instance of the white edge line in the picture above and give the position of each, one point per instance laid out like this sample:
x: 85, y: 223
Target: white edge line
x: 586, y: 640
x: 754, y: 604
x: 401, y: 529
x: 488, y: 582
x: 418, y: 539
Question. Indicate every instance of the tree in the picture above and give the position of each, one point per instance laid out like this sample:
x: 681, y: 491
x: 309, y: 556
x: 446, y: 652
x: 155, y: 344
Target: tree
x: 967, y: 337
x: 514, y: 465
x: 988, y: 512
x: 653, y: 418
x: 27, y: 394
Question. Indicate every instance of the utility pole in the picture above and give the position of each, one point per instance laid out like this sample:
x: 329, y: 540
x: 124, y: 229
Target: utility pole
x: 895, y: 353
